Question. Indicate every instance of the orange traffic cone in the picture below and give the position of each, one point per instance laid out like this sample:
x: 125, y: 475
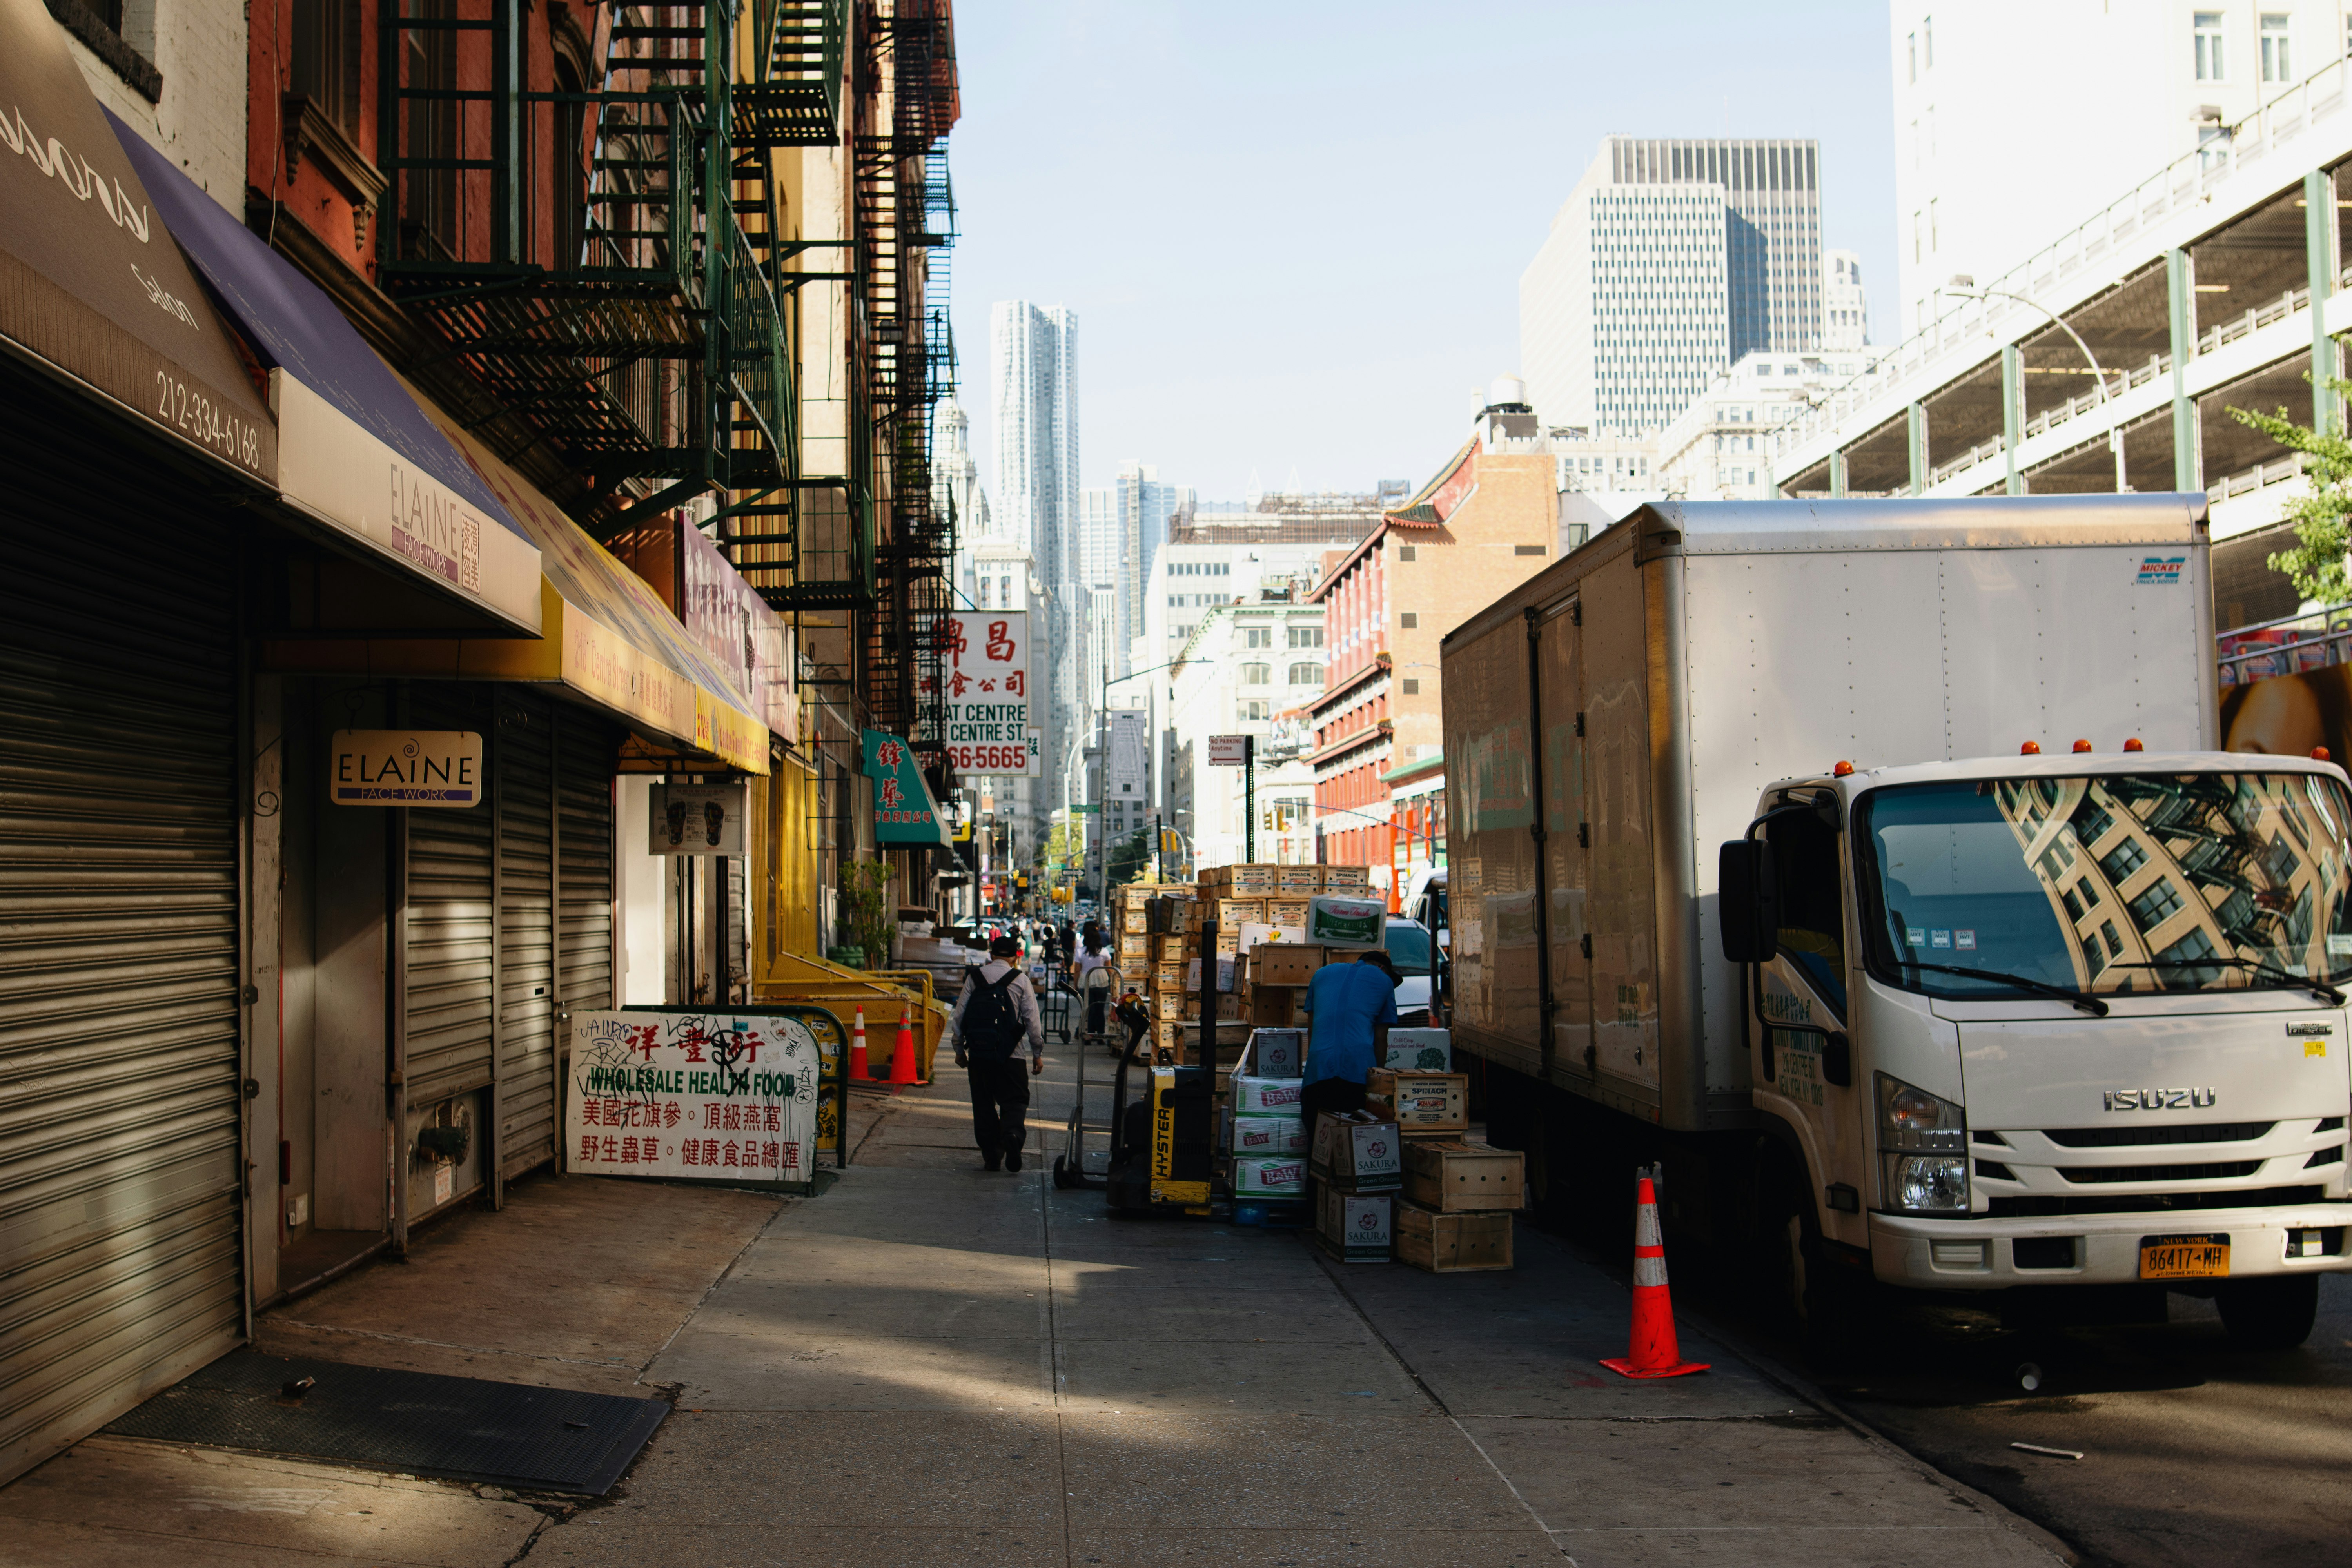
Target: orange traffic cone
x: 1654, y: 1353
x: 859, y: 1072
x: 902, y: 1058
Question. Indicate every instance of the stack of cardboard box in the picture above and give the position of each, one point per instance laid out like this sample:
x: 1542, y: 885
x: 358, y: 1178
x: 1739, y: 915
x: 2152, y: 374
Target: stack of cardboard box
x: 1265, y: 1135
x: 1357, y: 1163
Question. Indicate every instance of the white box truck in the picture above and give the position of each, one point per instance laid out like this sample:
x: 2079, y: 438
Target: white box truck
x: 1754, y: 870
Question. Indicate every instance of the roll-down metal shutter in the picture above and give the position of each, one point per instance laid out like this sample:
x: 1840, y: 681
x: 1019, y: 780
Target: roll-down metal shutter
x: 119, y: 1109
x: 588, y: 748
x: 447, y: 955
x: 524, y: 767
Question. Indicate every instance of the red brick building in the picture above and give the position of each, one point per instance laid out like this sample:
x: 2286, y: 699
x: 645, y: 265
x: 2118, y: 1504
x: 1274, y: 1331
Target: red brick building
x: 1488, y: 521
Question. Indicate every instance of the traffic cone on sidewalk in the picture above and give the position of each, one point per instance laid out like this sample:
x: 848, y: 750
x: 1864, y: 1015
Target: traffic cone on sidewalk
x: 1654, y: 1353
x: 902, y: 1058
x: 860, y: 1071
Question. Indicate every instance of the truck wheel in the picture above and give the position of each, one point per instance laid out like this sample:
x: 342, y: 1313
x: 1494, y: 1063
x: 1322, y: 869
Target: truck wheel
x: 2269, y: 1314
x: 1806, y: 1294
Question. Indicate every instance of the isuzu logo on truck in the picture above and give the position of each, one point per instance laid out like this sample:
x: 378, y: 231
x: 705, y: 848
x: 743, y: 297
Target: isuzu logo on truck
x: 2158, y: 1098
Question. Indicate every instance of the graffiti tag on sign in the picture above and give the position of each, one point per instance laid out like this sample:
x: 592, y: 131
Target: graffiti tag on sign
x: 699, y: 1096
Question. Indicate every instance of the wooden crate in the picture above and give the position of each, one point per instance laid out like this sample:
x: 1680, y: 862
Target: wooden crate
x: 1422, y: 1101
x: 1440, y: 1242
x: 1461, y: 1177
x: 1274, y: 1006
x: 1346, y: 879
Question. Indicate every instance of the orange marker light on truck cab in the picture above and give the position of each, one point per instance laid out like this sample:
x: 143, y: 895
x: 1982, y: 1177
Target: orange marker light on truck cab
x: 2030, y: 749
x: 2319, y: 754
x: 2133, y: 744
x: 1844, y: 770
x: 2081, y: 746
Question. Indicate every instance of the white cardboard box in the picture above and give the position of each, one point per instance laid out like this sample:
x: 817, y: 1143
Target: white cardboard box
x: 1359, y: 1156
x: 1420, y: 1050
x: 1357, y: 1227
x: 1277, y: 1053
x: 1266, y: 1096
x: 1275, y: 1177
x: 1270, y: 1136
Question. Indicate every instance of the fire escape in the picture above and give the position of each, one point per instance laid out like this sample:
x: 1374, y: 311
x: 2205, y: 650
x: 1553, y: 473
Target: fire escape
x: 905, y: 82
x: 598, y: 256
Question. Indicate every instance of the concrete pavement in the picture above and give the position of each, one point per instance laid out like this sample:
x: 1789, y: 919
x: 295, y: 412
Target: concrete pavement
x: 931, y: 1365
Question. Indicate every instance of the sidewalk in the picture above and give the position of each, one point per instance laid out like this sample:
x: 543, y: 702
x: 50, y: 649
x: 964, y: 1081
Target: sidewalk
x: 929, y: 1364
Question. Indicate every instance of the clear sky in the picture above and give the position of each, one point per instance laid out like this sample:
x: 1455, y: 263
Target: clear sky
x: 1293, y: 230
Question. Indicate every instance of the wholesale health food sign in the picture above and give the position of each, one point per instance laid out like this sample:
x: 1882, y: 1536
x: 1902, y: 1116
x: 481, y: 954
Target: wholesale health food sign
x: 991, y: 727
x: 701, y: 1096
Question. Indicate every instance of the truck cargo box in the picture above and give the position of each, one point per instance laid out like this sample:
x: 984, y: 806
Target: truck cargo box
x: 1611, y: 721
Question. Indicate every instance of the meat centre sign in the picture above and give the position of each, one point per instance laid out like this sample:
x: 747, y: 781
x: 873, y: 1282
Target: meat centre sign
x: 991, y: 726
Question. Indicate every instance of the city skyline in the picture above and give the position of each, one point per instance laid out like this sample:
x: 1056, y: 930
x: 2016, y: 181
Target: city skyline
x: 1381, y: 297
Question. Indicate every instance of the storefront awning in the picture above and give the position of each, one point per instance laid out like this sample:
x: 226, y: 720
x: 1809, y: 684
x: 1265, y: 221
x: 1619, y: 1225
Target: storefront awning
x: 355, y: 452
x: 91, y: 286
x: 905, y: 813
x: 607, y: 636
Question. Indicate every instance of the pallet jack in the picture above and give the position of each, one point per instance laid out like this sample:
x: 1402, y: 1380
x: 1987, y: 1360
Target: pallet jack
x: 1163, y: 1145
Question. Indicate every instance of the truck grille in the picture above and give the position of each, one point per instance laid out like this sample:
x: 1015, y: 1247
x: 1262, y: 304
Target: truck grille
x: 2160, y: 1133
x: 2152, y: 1203
x: 2218, y: 1171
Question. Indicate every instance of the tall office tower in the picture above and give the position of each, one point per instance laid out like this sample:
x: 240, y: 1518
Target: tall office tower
x: 1034, y: 353
x: 1845, y: 312
x: 2001, y: 150
x: 1669, y: 261
x: 1145, y: 507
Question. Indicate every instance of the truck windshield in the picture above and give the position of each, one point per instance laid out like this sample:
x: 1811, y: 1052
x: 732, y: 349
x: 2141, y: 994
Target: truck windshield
x: 2108, y: 884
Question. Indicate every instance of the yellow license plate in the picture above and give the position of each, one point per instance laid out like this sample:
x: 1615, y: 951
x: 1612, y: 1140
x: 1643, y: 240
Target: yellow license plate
x: 2184, y: 1257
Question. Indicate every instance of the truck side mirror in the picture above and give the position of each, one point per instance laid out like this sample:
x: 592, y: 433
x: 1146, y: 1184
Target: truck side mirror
x: 1747, y: 903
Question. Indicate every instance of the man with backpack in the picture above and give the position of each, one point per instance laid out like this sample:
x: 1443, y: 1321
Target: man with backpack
x: 994, y: 1012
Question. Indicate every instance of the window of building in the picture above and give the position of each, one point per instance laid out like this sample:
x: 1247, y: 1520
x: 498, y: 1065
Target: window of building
x: 1258, y: 675
x: 1413, y: 686
x: 2155, y: 906
x: 2115, y: 943
x: 1307, y: 637
x: 2277, y: 64
x: 326, y: 56
x: 1527, y: 549
x: 1406, y: 553
x: 1409, y: 620
x: 1256, y: 709
x: 1928, y: 43
x: 2121, y: 861
x: 1257, y: 637
x: 2207, y: 27
x: 1306, y: 674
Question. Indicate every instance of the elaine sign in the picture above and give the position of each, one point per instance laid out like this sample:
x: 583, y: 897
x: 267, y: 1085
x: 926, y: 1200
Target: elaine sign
x: 406, y: 767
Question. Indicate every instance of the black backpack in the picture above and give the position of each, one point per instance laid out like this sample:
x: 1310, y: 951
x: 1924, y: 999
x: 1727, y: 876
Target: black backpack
x: 992, y: 1029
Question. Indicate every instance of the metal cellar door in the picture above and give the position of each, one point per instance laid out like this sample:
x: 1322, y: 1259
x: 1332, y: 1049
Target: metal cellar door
x: 120, y: 1031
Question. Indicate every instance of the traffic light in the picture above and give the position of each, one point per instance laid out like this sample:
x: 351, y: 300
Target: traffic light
x: 1171, y: 841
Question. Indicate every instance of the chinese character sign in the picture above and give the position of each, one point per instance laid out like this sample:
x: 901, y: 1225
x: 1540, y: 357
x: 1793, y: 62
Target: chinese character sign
x: 704, y: 1096
x: 989, y: 725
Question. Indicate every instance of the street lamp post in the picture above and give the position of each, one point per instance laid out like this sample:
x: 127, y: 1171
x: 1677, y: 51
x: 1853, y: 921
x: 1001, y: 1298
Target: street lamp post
x: 1965, y: 286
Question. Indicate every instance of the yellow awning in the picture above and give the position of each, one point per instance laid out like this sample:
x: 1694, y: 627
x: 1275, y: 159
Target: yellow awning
x: 603, y: 633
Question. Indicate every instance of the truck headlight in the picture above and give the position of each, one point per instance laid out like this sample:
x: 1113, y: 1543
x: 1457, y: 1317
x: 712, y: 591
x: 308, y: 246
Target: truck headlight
x: 1929, y: 1183
x: 1924, y: 1140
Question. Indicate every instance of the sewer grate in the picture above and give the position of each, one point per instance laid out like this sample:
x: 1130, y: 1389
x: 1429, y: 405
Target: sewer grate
x: 464, y: 1428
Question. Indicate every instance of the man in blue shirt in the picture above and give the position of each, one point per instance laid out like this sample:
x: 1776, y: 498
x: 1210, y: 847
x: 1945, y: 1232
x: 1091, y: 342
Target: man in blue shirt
x: 1349, y: 1008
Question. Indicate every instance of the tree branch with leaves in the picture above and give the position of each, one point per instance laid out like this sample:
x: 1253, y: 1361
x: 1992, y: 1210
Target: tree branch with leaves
x: 2322, y: 516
